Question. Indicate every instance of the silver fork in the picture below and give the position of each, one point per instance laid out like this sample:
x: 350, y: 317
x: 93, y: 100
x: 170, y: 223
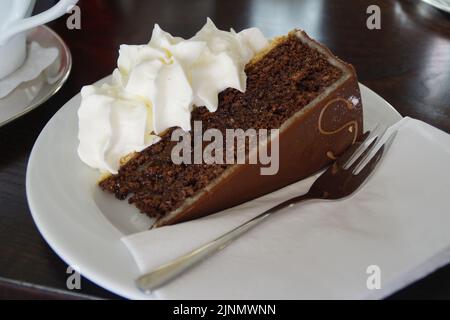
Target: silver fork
x: 341, y: 179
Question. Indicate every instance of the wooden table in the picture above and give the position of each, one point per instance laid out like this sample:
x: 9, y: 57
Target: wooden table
x: 407, y: 62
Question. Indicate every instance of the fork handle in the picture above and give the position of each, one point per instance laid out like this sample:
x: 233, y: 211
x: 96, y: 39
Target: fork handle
x: 167, y: 272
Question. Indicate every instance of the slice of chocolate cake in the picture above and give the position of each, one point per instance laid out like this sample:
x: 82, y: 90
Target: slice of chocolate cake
x: 297, y: 86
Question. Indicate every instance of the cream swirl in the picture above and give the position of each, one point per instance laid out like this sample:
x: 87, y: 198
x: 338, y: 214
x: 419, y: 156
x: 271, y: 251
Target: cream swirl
x: 156, y: 86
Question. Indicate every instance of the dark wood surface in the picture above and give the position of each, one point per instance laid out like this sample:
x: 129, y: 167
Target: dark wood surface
x: 407, y: 62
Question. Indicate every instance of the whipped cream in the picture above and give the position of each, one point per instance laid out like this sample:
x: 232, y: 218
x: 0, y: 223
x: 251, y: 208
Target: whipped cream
x: 156, y: 86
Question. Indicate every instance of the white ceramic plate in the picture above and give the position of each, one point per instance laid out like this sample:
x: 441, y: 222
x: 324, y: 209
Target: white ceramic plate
x: 31, y: 94
x: 84, y: 225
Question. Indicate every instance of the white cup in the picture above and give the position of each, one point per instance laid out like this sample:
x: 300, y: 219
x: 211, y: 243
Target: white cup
x: 14, y: 21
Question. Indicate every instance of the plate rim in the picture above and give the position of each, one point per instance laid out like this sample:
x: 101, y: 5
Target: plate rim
x: 58, y: 85
x: 114, y: 286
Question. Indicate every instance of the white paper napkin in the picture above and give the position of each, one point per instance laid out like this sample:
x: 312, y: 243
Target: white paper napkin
x: 398, y: 221
x: 38, y: 59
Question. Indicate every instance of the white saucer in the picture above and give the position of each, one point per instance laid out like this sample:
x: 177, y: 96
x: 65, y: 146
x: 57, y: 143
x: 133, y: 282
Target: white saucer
x: 84, y: 225
x: 443, y: 5
x: 29, y: 95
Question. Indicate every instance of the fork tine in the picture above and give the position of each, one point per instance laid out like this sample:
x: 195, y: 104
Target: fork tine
x: 343, y: 159
x: 363, y: 155
x: 386, y: 145
x: 368, y: 168
x: 375, y: 132
x: 389, y: 141
x: 361, y: 177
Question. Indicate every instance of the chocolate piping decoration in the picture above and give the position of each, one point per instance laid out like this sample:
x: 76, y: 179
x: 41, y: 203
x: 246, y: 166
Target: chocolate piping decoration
x: 351, y: 124
x: 330, y: 154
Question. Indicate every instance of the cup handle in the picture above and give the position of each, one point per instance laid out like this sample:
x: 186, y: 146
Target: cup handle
x: 53, y: 13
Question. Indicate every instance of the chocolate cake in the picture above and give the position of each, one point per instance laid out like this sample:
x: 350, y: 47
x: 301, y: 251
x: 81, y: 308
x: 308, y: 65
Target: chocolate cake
x: 298, y: 86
